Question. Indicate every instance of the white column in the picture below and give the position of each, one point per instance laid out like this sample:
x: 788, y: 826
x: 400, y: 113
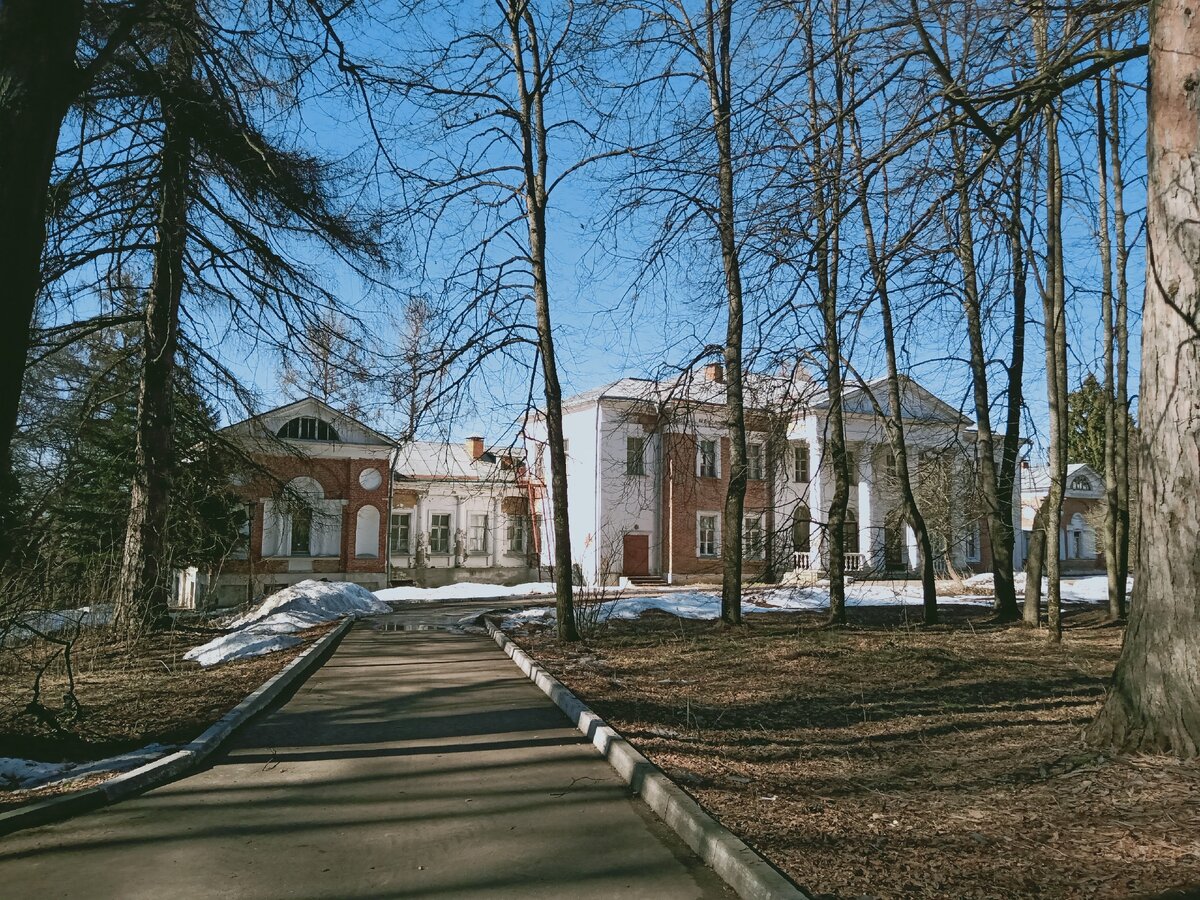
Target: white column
x: 494, y: 525
x: 866, y: 472
x: 459, y: 536
x: 420, y: 541
x: 816, y: 508
x: 914, y: 554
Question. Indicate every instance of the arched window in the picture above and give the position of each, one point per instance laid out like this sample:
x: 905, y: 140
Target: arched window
x: 1081, y: 483
x: 1082, y: 542
x: 366, y: 532
x: 801, y: 530
x: 302, y: 522
x: 308, y: 428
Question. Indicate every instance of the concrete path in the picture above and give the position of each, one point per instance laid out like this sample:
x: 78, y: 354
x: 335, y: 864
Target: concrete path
x: 412, y: 764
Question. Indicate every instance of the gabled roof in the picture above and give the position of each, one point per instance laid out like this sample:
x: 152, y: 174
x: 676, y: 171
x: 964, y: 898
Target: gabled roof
x: 917, y: 403
x: 309, y: 406
x: 1036, y: 479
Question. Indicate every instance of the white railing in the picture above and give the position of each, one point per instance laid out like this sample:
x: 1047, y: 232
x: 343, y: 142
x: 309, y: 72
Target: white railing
x: 802, y: 560
x: 854, y: 562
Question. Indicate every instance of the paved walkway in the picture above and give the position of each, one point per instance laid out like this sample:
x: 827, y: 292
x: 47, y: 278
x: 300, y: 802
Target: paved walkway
x: 412, y: 764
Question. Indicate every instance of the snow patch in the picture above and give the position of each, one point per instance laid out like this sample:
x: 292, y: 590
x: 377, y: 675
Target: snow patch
x: 23, y: 774
x: 51, y: 621
x: 265, y: 629
x: 1086, y: 589
x: 464, y: 591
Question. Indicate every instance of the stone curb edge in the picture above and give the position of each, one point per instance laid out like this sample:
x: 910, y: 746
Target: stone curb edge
x: 190, y: 756
x: 751, y: 876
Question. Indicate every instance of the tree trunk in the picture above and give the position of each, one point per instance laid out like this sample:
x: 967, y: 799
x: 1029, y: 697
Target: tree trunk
x: 894, y: 418
x: 1003, y: 573
x: 999, y: 536
x: 38, y: 40
x: 720, y: 88
x: 1121, y: 312
x: 534, y: 153
x: 1154, y: 703
x: 142, y: 591
x: 1116, y: 598
x: 1035, y: 564
x: 1053, y: 307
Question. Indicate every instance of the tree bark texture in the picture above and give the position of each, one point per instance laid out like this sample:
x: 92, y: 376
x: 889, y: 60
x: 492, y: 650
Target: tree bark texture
x: 531, y: 83
x: 1153, y: 704
x: 143, y: 590
x: 720, y: 88
x: 38, y: 78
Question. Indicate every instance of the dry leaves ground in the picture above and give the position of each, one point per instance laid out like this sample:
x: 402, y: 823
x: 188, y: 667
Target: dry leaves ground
x: 892, y: 760
x: 131, y: 693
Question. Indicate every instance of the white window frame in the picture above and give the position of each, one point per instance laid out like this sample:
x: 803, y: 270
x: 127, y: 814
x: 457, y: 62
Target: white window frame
x: 716, y: 531
x: 756, y: 462
x: 477, y: 533
x: 394, y: 531
x: 716, y: 458
x: 635, y: 465
x: 973, y: 550
x: 752, y: 550
x: 518, y: 534
x: 800, y: 452
x: 449, y: 533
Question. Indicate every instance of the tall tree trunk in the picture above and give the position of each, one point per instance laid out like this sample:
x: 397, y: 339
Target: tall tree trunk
x: 1053, y: 308
x: 720, y: 88
x: 1116, y: 597
x: 534, y: 153
x: 894, y: 418
x: 1007, y: 486
x: 1154, y: 703
x: 1035, y: 564
x: 142, y: 590
x: 999, y: 536
x: 826, y: 249
x: 38, y: 79
x: 1121, y: 311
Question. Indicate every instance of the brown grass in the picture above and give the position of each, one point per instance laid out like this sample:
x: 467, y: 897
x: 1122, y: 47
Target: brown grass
x: 131, y: 694
x: 888, y: 760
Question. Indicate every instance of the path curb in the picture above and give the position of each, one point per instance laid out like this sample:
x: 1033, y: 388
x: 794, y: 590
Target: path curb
x: 181, y: 761
x: 751, y: 876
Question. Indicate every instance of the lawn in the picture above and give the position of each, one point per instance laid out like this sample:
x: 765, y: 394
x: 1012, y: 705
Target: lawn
x: 887, y: 759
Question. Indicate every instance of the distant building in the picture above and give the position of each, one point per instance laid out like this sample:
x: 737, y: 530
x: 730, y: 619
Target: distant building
x: 1083, y: 500
x: 338, y: 500
x: 648, y: 470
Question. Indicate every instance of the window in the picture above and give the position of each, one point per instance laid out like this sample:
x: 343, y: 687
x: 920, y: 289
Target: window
x: 439, y: 533
x: 241, y: 548
x: 401, y: 533
x: 1081, y: 483
x: 800, y: 463
x: 752, y: 537
x: 635, y: 456
x: 518, y: 527
x: 889, y: 464
x: 850, y: 533
x: 301, y: 532
x: 852, y: 467
x: 973, y: 543
x: 706, y: 459
x: 479, y: 533
x: 802, y: 530
x: 706, y: 535
x: 366, y: 532
x: 308, y: 428
x: 754, y: 462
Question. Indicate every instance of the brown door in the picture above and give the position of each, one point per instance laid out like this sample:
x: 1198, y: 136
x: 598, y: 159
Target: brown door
x: 637, y: 555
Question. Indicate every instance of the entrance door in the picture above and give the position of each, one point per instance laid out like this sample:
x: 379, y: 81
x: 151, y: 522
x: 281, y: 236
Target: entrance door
x: 636, y: 560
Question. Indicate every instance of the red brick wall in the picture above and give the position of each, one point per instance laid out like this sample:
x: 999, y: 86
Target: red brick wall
x: 339, y: 480
x: 692, y: 494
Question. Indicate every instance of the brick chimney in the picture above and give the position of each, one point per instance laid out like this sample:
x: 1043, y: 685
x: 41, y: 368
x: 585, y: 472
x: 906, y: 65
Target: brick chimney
x: 714, y: 372
x: 475, y: 447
